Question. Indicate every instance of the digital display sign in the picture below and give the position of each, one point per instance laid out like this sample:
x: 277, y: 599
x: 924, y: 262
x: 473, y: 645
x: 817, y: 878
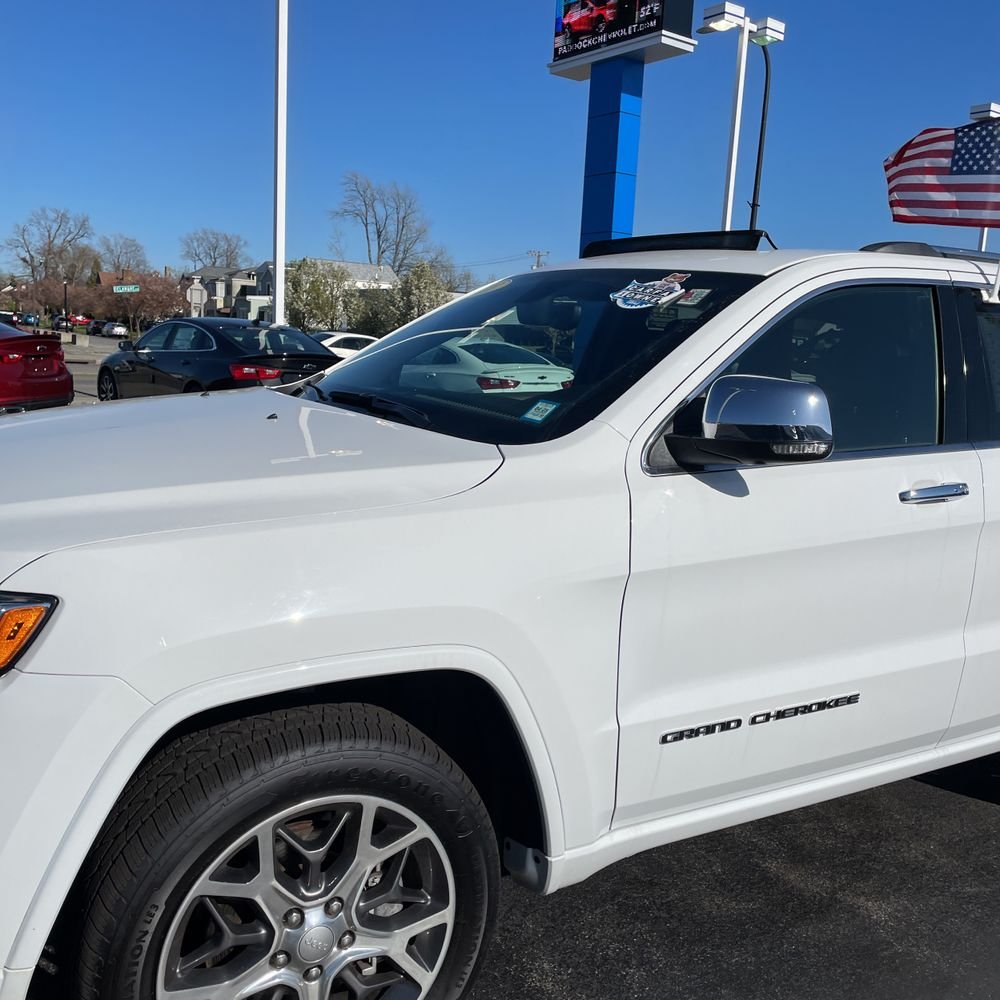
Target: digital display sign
x: 584, y: 26
x: 587, y: 30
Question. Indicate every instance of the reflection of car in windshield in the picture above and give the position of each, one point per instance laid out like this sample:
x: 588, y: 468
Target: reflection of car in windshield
x: 585, y: 18
x: 467, y: 365
x: 528, y: 358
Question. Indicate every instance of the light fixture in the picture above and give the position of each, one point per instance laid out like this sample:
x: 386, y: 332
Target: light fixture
x: 984, y: 112
x: 722, y: 17
x: 769, y: 30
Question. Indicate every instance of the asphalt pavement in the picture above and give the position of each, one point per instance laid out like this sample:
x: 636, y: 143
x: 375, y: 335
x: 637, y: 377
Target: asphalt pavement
x: 892, y: 894
x: 83, y: 363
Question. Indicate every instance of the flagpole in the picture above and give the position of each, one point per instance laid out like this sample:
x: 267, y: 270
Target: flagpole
x: 982, y: 113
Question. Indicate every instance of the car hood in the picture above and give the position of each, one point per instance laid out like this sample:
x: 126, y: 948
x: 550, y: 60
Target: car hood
x: 74, y: 476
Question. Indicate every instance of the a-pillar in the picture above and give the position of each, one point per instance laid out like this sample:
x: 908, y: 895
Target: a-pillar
x: 612, y: 149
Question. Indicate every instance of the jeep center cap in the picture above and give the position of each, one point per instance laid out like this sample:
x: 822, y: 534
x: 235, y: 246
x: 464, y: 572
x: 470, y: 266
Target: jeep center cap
x: 316, y: 945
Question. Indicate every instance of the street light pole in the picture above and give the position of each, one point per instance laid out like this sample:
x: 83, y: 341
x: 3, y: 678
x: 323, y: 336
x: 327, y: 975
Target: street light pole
x: 734, y: 132
x: 755, y: 203
x: 66, y: 302
x: 724, y: 17
x: 280, y: 159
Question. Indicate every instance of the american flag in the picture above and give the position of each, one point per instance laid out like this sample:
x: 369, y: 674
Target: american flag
x: 948, y: 177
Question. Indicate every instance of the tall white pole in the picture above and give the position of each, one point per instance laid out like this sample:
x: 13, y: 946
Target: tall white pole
x: 280, y: 148
x: 984, y: 236
x: 734, y: 135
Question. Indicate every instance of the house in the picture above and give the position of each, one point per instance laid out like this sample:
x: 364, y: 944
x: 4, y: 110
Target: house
x: 248, y: 293
x: 222, y: 286
x: 257, y: 304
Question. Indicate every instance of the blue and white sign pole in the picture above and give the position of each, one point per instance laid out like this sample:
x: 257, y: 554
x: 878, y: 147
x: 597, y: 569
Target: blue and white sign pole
x: 613, y: 54
x: 612, y: 162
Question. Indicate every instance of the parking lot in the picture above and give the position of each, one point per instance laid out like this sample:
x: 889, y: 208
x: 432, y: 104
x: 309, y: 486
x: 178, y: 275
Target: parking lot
x: 886, y: 895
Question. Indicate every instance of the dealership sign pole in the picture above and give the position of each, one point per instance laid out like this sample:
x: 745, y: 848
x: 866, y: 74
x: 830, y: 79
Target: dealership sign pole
x: 610, y: 44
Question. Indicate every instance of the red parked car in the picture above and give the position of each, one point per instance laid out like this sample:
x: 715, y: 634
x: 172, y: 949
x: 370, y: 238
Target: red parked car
x: 584, y: 18
x: 33, y: 371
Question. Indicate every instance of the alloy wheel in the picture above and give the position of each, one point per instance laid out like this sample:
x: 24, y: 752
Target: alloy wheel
x: 107, y: 389
x: 339, y: 898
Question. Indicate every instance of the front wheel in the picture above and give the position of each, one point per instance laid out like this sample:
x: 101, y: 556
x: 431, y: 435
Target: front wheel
x: 306, y: 854
x: 107, y: 386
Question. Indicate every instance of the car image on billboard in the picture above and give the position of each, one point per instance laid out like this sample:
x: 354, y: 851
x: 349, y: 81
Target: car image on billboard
x: 583, y: 26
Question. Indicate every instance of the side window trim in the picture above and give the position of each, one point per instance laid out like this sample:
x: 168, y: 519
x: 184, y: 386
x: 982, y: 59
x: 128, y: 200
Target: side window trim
x: 951, y: 377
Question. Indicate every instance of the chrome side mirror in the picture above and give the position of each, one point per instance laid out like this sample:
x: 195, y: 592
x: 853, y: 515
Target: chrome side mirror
x: 754, y: 420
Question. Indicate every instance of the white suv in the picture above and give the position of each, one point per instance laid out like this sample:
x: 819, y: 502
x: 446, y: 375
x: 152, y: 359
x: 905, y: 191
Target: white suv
x: 373, y: 639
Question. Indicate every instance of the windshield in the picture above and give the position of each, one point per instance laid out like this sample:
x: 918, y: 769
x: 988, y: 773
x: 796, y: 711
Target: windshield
x: 533, y: 357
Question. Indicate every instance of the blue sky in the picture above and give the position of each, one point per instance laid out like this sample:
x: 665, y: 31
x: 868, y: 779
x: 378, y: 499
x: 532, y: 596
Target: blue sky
x: 156, y: 119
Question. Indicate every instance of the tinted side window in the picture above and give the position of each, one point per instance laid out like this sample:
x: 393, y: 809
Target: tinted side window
x: 988, y: 321
x: 156, y: 338
x: 873, y: 350
x: 190, y: 338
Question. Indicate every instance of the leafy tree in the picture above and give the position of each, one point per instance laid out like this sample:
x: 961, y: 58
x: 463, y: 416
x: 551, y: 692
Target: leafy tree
x: 420, y: 291
x: 47, y: 243
x: 315, y: 294
x: 391, y: 220
x: 371, y: 311
x: 213, y: 248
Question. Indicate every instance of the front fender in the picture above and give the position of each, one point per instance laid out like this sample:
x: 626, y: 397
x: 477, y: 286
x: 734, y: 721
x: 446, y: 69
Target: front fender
x: 101, y: 730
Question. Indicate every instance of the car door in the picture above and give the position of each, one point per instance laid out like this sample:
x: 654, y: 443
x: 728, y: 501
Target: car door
x: 132, y: 367
x: 180, y: 366
x: 785, y: 622
x: 977, y: 710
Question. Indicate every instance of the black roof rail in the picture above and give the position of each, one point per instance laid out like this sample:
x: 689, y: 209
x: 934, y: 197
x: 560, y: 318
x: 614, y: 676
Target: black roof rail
x: 732, y: 239
x: 929, y: 250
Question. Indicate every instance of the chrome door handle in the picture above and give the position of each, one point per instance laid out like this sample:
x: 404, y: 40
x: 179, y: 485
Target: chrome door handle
x: 935, y: 494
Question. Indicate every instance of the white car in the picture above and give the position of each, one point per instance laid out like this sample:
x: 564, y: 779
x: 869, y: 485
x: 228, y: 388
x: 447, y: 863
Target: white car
x: 344, y: 345
x: 466, y: 364
x: 373, y: 640
x: 114, y: 329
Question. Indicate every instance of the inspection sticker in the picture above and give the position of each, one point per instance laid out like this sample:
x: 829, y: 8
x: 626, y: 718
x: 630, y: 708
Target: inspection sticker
x: 542, y: 410
x: 645, y: 295
x: 693, y: 297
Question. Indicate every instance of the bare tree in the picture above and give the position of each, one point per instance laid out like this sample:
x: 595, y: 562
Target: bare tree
x: 213, y: 248
x: 81, y: 263
x: 391, y: 219
x: 453, y: 278
x: 120, y: 253
x: 44, y: 243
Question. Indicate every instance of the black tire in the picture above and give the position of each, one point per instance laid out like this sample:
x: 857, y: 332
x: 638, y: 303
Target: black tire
x: 107, y: 385
x: 599, y: 26
x: 193, y: 387
x: 203, y: 793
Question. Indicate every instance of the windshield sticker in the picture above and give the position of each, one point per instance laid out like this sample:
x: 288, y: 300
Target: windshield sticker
x: 639, y: 295
x: 693, y: 297
x: 542, y: 410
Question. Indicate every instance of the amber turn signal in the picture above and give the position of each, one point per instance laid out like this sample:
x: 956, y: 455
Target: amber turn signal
x: 21, y: 619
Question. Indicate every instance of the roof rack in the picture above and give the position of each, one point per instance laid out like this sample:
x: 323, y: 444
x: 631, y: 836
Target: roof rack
x: 928, y: 250
x: 733, y: 239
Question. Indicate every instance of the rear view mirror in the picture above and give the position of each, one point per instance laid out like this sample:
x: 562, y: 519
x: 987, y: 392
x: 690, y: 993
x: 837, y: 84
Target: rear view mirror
x: 126, y: 345
x: 753, y: 420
